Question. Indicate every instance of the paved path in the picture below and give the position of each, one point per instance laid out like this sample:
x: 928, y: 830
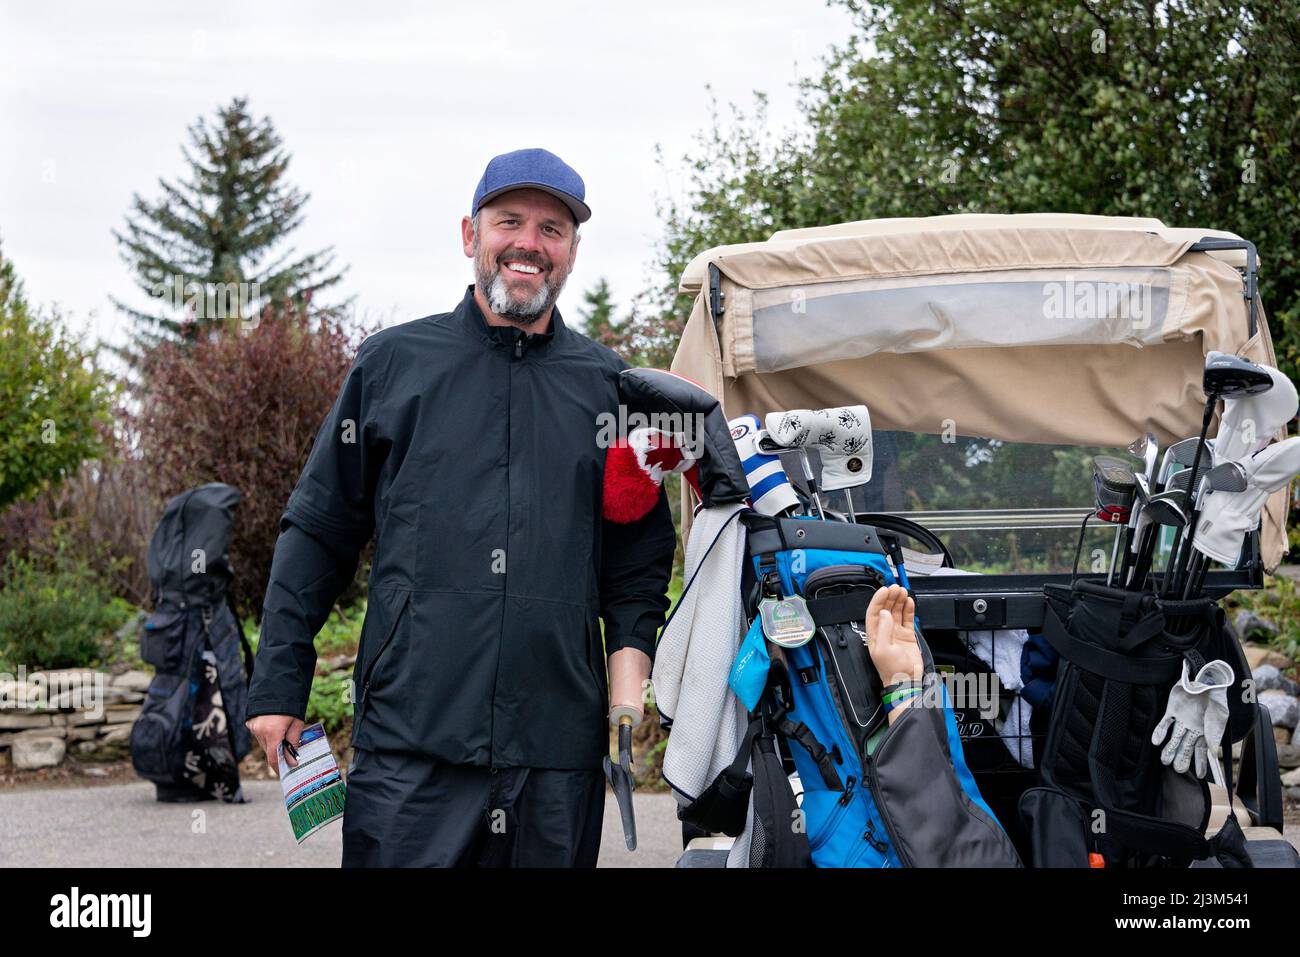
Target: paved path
x: 123, y: 826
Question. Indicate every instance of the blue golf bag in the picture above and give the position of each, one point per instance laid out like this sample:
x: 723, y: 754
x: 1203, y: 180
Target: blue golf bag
x: 875, y: 793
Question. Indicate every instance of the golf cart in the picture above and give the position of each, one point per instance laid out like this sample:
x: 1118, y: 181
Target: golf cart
x: 1001, y: 357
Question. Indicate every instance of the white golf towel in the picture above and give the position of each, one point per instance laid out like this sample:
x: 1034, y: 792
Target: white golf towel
x: 695, y: 655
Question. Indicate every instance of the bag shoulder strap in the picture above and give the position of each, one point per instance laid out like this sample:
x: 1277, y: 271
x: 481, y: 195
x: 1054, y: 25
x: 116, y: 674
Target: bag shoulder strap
x: 1109, y: 664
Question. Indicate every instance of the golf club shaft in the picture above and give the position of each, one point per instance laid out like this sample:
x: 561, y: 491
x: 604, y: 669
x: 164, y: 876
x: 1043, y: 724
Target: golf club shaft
x: 1114, y: 554
x: 1172, y: 567
x: 1146, y: 549
x: 1190, y: 559
x: 812, y: 482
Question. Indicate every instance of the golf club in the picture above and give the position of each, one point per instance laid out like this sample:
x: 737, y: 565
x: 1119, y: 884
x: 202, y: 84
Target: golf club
x: 1166, y: 508
x: 1116, y: 488
x: 1142, y: 496
x: 1181, y: 453
x: 1229, y: 377
x: 810, y: 481
x: 1147, y: 448
x: 1228, y: 477
x: 1179, y: 483
x: 1225, y: 477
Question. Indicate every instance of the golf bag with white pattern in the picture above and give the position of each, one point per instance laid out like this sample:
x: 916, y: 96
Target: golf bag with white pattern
x: 190, y: 735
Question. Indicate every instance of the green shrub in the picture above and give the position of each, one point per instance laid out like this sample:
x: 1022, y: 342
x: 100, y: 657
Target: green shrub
x: 341, y: 633
x: 1278, y: 602
x: 54, y: 616
x: 330, y: 701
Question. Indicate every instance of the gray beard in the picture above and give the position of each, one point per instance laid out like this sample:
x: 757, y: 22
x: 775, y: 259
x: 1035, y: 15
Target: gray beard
x: 510, y: 309
x: 501, y: 302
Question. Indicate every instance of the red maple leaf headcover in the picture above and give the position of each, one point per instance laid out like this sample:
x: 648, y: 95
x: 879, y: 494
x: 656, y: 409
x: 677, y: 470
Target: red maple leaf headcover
x: 635, y: 468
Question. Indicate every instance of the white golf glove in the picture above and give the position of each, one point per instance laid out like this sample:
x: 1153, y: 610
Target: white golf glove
x: 1227, y: 517
x: 1251, y: 422
x: 1195, y: 719
x: 842, y: 436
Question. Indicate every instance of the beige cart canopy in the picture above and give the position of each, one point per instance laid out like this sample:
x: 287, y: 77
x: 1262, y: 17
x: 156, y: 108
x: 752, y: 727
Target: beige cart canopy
x: 1034, y: 328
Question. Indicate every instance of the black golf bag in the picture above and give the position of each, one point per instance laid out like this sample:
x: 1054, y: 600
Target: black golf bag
x: 1105, y: 799
x: 190, y: 735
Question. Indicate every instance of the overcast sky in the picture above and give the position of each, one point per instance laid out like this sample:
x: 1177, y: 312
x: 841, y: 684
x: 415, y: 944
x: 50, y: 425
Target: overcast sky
x: 390, y: 112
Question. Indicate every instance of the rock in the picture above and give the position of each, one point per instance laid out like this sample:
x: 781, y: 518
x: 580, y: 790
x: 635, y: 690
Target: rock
x: 1288, y: 756
x: 114, y: 732
x: 77, y: 718
x: 336, y: 663
x: 37, y: 751
x: 95, y: 772
x: 118, y: 715
x: 1270, y: 678
x: 84, y: 733
x: 133, y: 681
x: 1292, y: 793
x: 19, y: 720
x: 1291, y: 779
x: 66, y: 699
x: 1282, y: 735
x: 1257, y: 655
x: 11, y: 692
x: 87, y: 747
x: 126, y: 697
x: 1283, y: 709
x: 1248, y: 625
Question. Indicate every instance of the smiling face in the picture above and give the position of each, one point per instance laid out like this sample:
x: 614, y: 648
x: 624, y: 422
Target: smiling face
x: 523, y: 249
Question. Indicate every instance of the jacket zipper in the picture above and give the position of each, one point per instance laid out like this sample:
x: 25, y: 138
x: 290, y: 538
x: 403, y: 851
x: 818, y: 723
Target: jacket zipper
x: 365, y: 683
x: 501, y: 632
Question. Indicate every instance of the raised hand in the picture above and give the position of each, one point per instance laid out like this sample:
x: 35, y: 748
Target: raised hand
x: 891, y: 635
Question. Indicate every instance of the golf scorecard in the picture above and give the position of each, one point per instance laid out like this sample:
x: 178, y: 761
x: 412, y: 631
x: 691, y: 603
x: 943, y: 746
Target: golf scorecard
x: 314, y: 791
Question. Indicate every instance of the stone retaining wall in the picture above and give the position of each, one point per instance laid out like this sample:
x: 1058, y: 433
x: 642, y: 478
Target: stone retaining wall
x: 45, y: 714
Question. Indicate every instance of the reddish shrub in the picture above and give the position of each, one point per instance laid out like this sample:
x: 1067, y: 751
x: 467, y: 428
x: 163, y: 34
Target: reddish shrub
x: 242, y: 406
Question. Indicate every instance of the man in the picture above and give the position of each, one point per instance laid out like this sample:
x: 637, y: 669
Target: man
x: 467, y: 442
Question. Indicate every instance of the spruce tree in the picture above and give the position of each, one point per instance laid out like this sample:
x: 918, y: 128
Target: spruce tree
x: 598, y: 312
x: 209, y: 248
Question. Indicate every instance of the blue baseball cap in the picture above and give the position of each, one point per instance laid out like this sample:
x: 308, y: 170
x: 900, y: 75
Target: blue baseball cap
x: 533, y: 169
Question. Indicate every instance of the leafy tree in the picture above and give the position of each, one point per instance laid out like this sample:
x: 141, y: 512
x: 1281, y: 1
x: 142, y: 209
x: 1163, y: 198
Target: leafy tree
x: 53, y: 401
x: 210, y: 247
x: 1186, y: 110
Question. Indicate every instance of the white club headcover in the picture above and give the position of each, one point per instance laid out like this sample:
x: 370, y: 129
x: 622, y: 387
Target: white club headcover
x: 769, y: 486
x: 1249, y: 423
x: 842, y: 436
x: 1227, y: 517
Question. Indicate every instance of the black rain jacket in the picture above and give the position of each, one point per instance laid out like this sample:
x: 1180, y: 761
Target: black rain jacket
x: 472, y: 453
